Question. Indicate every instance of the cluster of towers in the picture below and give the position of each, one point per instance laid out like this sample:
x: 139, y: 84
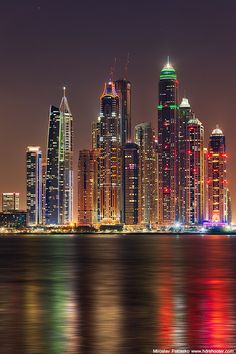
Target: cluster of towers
x: 50, y: 180
x: 148, y: 181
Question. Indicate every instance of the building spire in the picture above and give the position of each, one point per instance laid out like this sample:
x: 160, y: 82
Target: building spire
x: 112, y: 70
x: 168, y: 61
x: 64, y: 91
x: 126, y: 67
x: 64, y: 106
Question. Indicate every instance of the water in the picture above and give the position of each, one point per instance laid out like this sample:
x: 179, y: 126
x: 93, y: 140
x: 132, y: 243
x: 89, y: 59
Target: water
x: 116, y: 294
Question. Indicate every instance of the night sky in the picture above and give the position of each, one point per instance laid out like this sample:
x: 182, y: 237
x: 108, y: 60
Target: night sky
x: 48, y: 44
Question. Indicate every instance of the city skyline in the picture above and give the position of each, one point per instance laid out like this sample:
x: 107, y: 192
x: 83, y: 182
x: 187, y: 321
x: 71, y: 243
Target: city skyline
x: 32, y: 78
x: 161, y: 179
x: 175, y: 117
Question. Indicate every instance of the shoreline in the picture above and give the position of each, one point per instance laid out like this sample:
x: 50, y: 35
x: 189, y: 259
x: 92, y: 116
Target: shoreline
x: 82, y: 233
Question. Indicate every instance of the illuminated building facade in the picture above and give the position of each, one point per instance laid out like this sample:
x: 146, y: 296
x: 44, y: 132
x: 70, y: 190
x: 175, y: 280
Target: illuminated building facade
x: 195, y: 172
x: 108, y: 145
x: 34, y: 185
x: 59, y: 172
x: 52, y: 214
x: 44, y: 168
x: 145, y: 138
x: 87, y: 188
x: 13, y: 219
x: 185, y: 114
x: 229, y: 207
x: 123, y: 89
x: 217, y: 179
x: 10, y: 201
x: 205, y: 188
x: 130, y: 166
x: 167, y: 146
x: 66, y: 162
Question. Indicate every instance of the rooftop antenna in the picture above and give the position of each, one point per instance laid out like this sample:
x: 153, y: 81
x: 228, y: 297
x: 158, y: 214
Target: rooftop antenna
x: 126, y: 67
x: 113, y: 67
x: 168, y: 60
x: 64, y: 91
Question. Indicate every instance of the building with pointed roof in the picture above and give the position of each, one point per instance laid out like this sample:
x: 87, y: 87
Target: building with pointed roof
x: 59, y: 170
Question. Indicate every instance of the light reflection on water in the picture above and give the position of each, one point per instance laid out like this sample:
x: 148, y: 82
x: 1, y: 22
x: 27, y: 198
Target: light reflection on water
x: 124, y: 295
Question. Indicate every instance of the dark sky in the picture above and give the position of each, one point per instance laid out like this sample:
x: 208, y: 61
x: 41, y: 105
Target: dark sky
x: 50, y: 43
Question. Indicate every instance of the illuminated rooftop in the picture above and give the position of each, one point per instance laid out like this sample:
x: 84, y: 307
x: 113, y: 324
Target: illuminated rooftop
x: 217, y: 131
x: 194, y: 120
x: 168, y: 72
x: 109, y: 89
x: 184, y: 103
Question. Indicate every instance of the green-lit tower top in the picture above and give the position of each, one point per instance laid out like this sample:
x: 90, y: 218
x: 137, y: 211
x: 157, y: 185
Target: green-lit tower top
x: 168, y: 72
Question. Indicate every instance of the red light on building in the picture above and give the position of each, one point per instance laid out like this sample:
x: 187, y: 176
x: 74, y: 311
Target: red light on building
x: 166, y: 190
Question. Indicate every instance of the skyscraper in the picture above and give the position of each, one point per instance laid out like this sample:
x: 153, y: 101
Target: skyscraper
x: 109, y: 156
x: 59, y: 172
x: 44, y: 169
x: 34, y: 185
x: 195, y: 172
x: 167, y: 146
x: 205, y: 151
x: 130, y: 165
x: 52, y: 209
x: 123, y: 89
x: 185, y: 114
x: 87, y: 187
x: 10, y: 201
x: 145, y: 138
x: 217, y: 178
x: 66, y: 162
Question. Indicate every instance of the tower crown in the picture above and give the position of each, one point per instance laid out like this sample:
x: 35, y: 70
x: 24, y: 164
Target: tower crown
x: 184, y: 103
x: 109, y: 89
x: 168, y: 71
x: 217, y: 131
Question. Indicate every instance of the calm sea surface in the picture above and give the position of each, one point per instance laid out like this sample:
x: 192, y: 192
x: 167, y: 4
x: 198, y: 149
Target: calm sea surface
x: 116, y: 294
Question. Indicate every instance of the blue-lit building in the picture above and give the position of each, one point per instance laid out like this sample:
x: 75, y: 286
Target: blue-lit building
x: 52, y: 209
x: 59, y: 170
x: 34, y: 185
x: 13, y: 219
x: 123, y: 89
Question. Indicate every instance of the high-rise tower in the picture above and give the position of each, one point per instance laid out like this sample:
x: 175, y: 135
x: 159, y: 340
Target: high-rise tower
x: 167, y: 146
x: 108, y: 141
x: 66, y: 162
x: 87, y: 187
x: 123, y: 89
x: 52, y: 170
x: 217, y: 179
x: 10, y: 202
x: 194, y: 172
x: 185, y: 114
x: 130, y: 166
x: 59, y: 175
x: 34, y: 185
x: 145, y: 138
